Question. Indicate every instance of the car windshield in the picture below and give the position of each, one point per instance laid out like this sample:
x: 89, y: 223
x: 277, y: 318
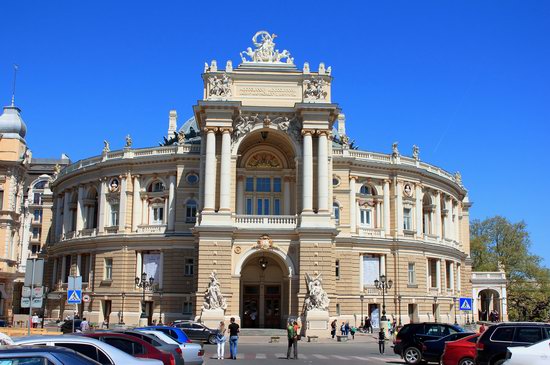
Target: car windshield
x: 163, y: 337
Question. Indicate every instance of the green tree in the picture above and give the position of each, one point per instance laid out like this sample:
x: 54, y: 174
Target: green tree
x: 497, y: 243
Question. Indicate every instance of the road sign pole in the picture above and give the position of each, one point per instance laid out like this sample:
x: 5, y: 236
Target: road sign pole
x: 30, y: 306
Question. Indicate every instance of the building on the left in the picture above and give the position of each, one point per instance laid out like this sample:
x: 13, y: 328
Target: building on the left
x: 25, y: 208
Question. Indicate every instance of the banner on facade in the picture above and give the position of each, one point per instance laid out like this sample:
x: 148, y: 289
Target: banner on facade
x: 371, y: 270
x: 151, y: 265
x: 375, y: 318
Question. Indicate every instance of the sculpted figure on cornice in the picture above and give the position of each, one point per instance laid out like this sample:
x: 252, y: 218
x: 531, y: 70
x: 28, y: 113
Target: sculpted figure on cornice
x: 394, y: 150
x: 243, y: 124
x: 106, y: 146
x: 220, y: 86
x: 315, y: 88
x: 265, y: 50
x: 458, y: 178
x: 416, y: 153
x: 264, y: 160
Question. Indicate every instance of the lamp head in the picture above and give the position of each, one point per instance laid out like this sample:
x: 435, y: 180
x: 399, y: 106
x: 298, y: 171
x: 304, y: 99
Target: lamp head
x: 390, y: 283
x: 144, y: 276
x: 376, y: 283
x: 151, y: 280
x: 137, y: 280
x: 383, y: 278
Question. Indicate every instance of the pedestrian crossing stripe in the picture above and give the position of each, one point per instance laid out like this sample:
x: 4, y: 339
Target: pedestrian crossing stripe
x: 465, y: 305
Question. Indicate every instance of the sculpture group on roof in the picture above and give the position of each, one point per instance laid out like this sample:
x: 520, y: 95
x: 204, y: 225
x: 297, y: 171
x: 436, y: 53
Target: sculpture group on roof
x: 265, y: 50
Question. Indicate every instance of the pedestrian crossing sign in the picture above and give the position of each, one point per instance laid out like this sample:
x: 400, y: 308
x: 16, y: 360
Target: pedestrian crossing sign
x: 74, y: 296
x: 465, y: 304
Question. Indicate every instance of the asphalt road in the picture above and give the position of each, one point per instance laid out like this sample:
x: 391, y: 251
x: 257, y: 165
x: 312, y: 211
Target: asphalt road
x: 351, y: 352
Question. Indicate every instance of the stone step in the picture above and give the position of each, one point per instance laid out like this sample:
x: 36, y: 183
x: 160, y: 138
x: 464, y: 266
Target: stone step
x: 262, y: 332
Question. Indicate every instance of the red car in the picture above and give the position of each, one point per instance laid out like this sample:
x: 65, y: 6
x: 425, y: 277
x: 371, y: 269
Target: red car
x: 460, y: 352
x: 133, y: 346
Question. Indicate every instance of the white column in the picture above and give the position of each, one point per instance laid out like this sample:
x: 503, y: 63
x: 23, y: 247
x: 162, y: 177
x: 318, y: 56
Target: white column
x: 54, y: 273
x: 438, y: 274
x: 438, y: 214
x: 307, y: 180
x: 78, y: 264
x: 286, y: 195
x: 451, y: 223
x: 418, y: 211
x: 322, y: 172
x: 452, y: 276
x: 172, y: 203
x: 58, y: 222
x: 382, y: 265
x: 144, y: 211
x: 66, y: 213
x: 101, y: 207
x: 225, y: 171
x: 80, y: 210
x: 210, y: 171
x: 122, y: 204
x: 136, y: 204
x: 458, y: 278
x: 399, y: 207
x: 457, y: 222
x: 139, y: 264
x: 387, y: 207
x: 352, y: 205
x: 240, y: 195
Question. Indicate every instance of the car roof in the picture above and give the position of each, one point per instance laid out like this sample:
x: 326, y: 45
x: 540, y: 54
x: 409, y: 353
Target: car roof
x: 521, y: 324
x: 36, y: 348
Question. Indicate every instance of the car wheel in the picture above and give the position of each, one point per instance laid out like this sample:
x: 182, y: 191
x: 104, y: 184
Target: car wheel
x: 212, y: 339
x: 466, y: 361
x: 412, y: 355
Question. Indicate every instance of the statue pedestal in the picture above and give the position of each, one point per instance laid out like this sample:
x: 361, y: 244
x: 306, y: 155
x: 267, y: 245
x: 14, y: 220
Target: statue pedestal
x: 143, y: 322
x: 212, y: 317
x: 317, y: 323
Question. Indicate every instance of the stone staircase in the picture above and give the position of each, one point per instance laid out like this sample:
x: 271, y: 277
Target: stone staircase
x: 262, y: 332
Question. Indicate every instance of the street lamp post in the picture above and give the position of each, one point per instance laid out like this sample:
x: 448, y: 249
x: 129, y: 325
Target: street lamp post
x: 121, y: 318
x: 399, y: 297
x: 362, y: 297
x: 144, y: 284
x: 383, y: 284
x: 454, y: 306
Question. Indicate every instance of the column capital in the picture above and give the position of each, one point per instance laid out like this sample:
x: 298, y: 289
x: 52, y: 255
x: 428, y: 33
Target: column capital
x: 210, y: 129
x: 322, y: 132
x: 387, y: 181
x: 306, y: 132
x: 354, y: 177
x: 136, y: 176
x: 224, y: 130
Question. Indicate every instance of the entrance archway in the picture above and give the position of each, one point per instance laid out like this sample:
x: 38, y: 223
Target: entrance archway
x: 264, y: 290
x: 490, y: 305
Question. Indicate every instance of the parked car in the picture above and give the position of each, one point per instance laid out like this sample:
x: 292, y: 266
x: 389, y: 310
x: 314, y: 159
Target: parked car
x: 192, y: 352
x: 38, y: 355
x: 408, y: 342
x: 494, y: 342
x: 67, y: 326
x: 197, y: 331
x: 537, y: 354
x: 433, y: 349
x: 460, y: 352
x: 176, y: 333
x: 133, y: 346
x: 173, y: 349
x: 3, y: 323
x: 94, y: 349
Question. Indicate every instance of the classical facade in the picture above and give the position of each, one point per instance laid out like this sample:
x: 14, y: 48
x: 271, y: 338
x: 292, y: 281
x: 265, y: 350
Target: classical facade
x: 259, y: 207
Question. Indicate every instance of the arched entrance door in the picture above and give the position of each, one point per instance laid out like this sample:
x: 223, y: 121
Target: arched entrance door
x: 490, y: 304
x: 264, y: 292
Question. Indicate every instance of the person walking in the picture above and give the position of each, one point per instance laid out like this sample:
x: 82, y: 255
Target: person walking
x: 352, y: 331
x: 343, y: 328
x: 292, y: 340
x: 381, y: 341
x: 233, y: 338
x: 84, y: 325
x: 347, y: 329
x: 220, y: 340
x: 368, y: 325
x: 333, y: 328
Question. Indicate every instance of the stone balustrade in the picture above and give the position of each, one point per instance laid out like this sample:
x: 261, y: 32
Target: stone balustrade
x: 262, y: 221
x: 371, y: 232
x: 152, y: 228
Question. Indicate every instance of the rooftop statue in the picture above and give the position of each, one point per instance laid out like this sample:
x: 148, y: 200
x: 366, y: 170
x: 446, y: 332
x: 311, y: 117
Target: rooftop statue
x: 265, y: 50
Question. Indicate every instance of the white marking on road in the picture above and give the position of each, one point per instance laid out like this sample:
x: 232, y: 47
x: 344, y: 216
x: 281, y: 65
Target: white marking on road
x: 278, y: 356
x: 360, y: 358
x: 321, y: 357
x: 302, y: 357
x: 261, y: 356
x: 341, y: 357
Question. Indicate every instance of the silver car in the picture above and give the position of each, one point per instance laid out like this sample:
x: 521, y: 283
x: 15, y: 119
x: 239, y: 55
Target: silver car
x: 192, y: 352
x: 90, y: 347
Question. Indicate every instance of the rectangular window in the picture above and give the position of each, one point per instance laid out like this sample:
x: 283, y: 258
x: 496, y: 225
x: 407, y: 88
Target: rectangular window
x: 158, y: 215
x: 67, y: 268
x: 1, y: 199
x: 407, y: 220
x: 36, y: 233
x: 371, y: 269
x: 263, y: 184
x: 248, y: 206
x: 448, y: 274
x: 189, y: 266
x: 266, y: 206
x: 37, y: 198
x: 191, y: 212
x: 114, y: 215
x: 37, y: 215
x: 365, y: 217
x: 337, y: 269
x: 35, y: 249
x: 249, y: 184
x: 412, y: 273
x: 187, y: 307
x: 277, y: 185
x: 259, y: 206
x: 276, y: 207
x: 433, y: 273
x: 108, y: 268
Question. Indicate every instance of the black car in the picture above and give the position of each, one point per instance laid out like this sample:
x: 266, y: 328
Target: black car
x: 409, y: 340
x: 493, y: 343
x: 432, y: 350
x: 51, y: 355
x: 67, y: 326
x: 197, y: 331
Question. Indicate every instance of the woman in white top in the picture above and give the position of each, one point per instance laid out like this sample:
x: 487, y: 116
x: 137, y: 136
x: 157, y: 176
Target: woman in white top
x: 220, y: 337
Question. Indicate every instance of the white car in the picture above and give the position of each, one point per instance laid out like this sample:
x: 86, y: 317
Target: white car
x: 191, y: 351
x: 537, y: 354
x: 90, y: 347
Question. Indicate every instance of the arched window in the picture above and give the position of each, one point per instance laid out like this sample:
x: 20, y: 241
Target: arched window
x: 156, y: 186
x: 367, y: 190
x: 191, y: 211
x: 157, y: 212
x: 40, y: 185
x: 336, y: 212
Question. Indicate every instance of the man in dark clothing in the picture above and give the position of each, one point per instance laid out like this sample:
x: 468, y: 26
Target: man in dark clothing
x: 233, y: 338
x: 292, y: 341
x: 333, y: 328
x: 381, y: 341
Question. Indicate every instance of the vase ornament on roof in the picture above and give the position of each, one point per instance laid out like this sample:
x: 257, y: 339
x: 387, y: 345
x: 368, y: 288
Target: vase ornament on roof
x: 265, y: 51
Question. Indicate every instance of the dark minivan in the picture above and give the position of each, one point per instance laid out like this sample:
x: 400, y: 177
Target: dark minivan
x: 493, y: 343
x: 409, y: 340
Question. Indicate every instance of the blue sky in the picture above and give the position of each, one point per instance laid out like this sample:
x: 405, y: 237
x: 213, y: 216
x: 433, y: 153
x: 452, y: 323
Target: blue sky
x: 468, y: 81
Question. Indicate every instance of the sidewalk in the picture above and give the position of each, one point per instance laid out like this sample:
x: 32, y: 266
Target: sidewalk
x: 359, y: 337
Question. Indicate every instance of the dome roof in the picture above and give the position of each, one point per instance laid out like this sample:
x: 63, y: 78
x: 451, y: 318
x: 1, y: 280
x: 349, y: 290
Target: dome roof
x: 11, y: 123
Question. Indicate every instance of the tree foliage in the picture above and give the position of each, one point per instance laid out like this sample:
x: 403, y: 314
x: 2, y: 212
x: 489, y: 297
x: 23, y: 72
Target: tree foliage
x: 497, y: 243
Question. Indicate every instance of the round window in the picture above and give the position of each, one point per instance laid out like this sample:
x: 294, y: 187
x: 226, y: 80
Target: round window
x: 192, y: 178
x: 335, y: 181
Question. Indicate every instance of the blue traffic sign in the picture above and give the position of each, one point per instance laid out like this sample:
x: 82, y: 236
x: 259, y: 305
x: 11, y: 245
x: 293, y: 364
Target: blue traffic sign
x: 465, y: 304
x: 74, y: 296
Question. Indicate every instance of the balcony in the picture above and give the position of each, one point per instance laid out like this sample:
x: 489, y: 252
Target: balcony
x: 89, y: 232
x: 371, y: 232
x: 152, y: 228
x: 266, y: 221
